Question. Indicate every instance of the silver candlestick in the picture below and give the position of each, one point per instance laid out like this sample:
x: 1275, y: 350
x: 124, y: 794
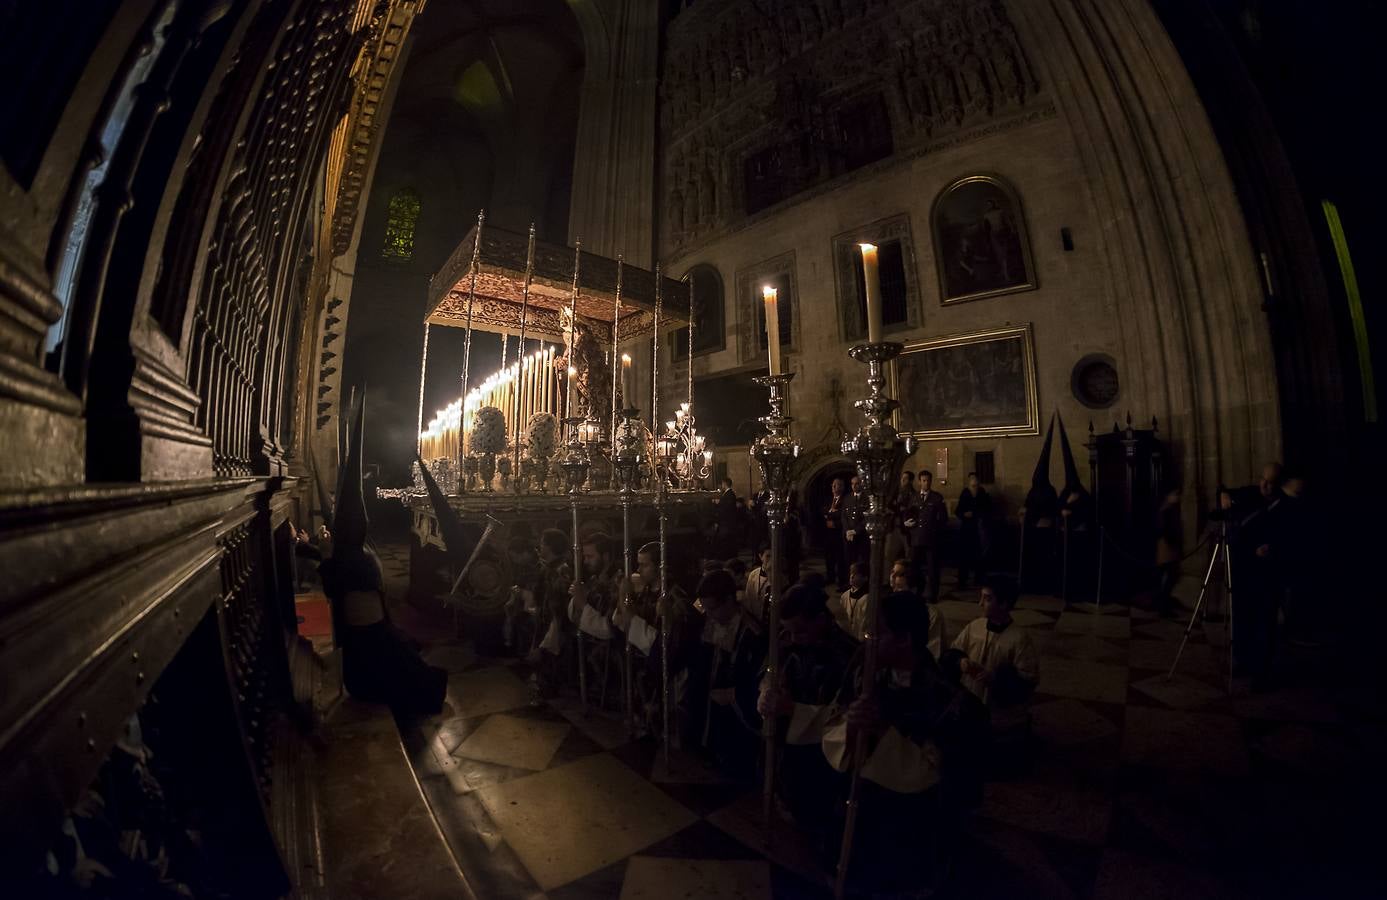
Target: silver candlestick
x: 879, y: 452
x: 775, y: 451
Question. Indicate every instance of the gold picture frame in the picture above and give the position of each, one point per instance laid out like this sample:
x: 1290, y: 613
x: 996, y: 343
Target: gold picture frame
x: 979, y: 384
x: 982, y: 247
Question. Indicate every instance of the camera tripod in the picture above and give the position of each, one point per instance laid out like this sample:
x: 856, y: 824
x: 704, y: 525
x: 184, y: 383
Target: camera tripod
x: 1219, y: 551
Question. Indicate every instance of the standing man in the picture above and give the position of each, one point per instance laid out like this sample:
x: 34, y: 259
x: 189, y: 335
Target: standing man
x: 929, y: 517
x: 857, y: 546
x: 758, y: 585
x: 727, y: 520
x: 836, y: 569
x: 897, y: 540
x: 974, y: 505
x: 1254, y: 515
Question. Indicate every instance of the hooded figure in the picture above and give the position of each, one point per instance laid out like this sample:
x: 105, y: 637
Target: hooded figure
x: 377, y: 665
x: 1041, y: 502
x: 1075, y: 502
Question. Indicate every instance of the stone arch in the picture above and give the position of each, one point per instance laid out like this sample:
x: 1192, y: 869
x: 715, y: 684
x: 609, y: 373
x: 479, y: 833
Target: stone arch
x: 1181, y: 264
x: 812, y: 485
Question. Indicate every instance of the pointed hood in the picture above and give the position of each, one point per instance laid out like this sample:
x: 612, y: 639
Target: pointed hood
x: 1041, y: 476
x: 1041, y: 500
x: 1072, y: 482
x: 449, y: 522
x: 349, y: 521
x: 344, y: 424
x: 320, y: 486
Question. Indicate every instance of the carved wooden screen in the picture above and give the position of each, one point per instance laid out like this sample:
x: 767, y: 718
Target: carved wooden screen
x: 237, y: 356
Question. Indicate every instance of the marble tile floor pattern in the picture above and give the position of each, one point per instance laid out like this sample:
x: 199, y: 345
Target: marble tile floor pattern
x: 1136, y: 787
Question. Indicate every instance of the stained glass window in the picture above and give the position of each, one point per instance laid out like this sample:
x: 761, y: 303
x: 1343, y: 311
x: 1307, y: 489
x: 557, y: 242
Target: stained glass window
x: 399, y: 226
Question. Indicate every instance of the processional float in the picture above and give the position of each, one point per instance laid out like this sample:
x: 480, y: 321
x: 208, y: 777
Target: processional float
x: 572, y: 402
x: 465, y: 445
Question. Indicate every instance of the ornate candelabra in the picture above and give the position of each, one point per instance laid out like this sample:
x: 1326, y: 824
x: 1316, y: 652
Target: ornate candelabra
x: 594, y: 440
x: 488, y: 470
x: 685, y: 454
x: 775, y: 451
x: 879, y: 452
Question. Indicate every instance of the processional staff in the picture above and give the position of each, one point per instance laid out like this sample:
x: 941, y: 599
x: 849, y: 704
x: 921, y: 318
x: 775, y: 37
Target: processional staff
x: 423, y: 369
x: 520, y: 349
x: 879, y: 453
x: 616, y: 325
x: 776, y: 452
x: 662, y: 601
x: 467, y: 345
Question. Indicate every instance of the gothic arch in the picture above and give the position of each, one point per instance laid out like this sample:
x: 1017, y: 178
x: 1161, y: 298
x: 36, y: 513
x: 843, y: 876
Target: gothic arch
x: 1183, y: 270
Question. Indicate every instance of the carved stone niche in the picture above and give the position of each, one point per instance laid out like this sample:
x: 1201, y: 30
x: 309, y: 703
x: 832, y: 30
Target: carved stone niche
x: 899, y: 277
x: 41, y: 429
x: 777, y: 272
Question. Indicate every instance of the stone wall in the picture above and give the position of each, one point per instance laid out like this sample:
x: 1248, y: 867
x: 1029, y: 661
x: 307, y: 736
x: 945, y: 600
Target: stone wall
x: 1101, y: 135
x: 1070, y: 310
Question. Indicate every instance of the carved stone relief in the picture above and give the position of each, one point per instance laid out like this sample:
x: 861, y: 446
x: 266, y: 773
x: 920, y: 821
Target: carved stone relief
x: 747, y: 96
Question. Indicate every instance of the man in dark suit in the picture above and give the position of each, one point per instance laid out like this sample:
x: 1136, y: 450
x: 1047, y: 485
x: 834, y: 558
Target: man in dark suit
x: 834, y: 564
x: 928, y: 517
x: 857, y: 546
x: 728, y: 521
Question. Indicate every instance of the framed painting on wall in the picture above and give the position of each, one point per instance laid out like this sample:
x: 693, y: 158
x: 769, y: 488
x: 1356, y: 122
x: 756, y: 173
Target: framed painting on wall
x: 968, y: 385
x: 980, y: 244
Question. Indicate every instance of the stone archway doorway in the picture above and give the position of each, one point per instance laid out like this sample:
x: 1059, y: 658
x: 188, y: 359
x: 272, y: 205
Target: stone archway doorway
x: 815, y: 488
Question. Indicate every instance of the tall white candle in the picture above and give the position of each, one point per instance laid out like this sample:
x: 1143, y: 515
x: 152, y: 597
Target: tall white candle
x: 768, y: 294
x: 627, y: 398
x: 531, y: 382
x: 872, y: 278
x: 570, y: 376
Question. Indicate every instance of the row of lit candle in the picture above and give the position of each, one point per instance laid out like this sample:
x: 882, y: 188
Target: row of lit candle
x: 520, y: 390
x: 872, y: 278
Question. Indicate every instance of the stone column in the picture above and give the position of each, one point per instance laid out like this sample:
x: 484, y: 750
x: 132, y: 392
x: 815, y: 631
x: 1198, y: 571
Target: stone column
x: 1184, y: 276
x: 613, y: 203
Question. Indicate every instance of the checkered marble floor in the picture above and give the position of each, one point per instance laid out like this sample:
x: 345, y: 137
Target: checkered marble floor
x: 1137, y: 786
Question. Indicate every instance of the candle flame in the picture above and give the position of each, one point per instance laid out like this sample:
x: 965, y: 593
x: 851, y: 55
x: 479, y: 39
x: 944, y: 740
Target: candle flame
x: 866, y: 247
x: 626, y: 359
x: 768, y: 292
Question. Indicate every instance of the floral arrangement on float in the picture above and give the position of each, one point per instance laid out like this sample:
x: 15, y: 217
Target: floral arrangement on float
x: 488, y: 438
x: 541, y: 440
x: 542, y: 435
